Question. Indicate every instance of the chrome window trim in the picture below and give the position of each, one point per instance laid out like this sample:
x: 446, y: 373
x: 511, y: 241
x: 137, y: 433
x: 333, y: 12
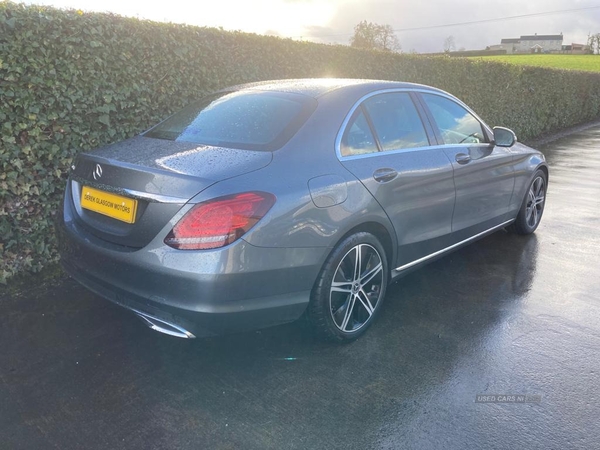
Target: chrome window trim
x: 342, y: 130
x: 478, y: 144
x: 397, y: 270
x: 413, y: 149
x: 388, y: 152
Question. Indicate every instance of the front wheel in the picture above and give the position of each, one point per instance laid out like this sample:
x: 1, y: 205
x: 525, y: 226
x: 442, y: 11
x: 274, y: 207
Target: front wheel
x: 350, y: 288
x: 531, y: 211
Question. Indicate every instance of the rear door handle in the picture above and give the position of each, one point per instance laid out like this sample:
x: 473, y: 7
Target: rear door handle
x: 462, y: 158
x: 384, y: 175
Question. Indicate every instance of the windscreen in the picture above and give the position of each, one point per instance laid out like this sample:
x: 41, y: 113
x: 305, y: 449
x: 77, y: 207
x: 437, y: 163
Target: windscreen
x: 251, y: 120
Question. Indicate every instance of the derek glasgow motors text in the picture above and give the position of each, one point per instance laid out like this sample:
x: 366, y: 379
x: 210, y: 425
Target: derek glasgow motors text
x: 108, y: 203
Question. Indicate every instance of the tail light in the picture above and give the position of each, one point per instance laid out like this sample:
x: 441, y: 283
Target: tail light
x: 219, y: 222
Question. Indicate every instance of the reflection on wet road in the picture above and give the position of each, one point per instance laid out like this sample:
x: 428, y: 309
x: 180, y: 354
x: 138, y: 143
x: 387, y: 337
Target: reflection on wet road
x: 507, y: 315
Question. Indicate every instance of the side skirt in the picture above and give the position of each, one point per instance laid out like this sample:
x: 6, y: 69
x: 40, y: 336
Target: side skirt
x: 398, y: 271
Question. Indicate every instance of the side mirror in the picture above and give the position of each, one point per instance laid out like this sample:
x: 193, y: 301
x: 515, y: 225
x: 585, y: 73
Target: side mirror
x: 503, y: 137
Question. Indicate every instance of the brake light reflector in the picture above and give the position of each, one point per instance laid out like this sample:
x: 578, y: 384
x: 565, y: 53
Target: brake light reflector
x: 219, y: 222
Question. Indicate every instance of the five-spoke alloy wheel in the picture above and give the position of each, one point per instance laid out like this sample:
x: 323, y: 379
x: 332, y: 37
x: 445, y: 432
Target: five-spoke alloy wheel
x: 350, y: 289
x: 531, y: 211
x: 356, y: 288
x: 535, y: 202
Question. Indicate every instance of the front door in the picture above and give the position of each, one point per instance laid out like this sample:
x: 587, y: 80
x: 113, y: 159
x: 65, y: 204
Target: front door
x: 483, y: 173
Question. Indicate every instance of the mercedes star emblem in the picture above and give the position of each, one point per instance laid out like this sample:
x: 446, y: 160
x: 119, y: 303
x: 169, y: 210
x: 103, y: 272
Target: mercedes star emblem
x: 97, y: 172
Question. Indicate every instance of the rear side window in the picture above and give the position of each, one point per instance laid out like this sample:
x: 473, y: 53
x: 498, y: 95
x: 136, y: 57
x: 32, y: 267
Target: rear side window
x: 251, y: 120
x: 396, y: 121
x: 456, y: 124
x: 358, y: 138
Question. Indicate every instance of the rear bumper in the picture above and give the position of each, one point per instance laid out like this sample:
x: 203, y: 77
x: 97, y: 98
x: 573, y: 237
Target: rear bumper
x: 237, y: 288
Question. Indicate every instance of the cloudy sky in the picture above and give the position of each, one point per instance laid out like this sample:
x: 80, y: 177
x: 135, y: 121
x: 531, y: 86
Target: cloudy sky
x: 421, y: 26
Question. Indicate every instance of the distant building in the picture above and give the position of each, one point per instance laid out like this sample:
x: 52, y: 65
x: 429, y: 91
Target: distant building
x: 576, y: 49
x: 510, y: 45
x: 542, y: 43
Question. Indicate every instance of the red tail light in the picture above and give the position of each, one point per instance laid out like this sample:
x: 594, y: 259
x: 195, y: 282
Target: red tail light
x: 219, y: 222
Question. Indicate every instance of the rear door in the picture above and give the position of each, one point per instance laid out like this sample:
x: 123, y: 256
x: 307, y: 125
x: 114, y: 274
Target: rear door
x: 483, y: 173
x: 387, y: 145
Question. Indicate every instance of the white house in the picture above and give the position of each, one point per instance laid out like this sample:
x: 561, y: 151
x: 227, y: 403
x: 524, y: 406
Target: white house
x: 543, y: 43
x: 537, y: 43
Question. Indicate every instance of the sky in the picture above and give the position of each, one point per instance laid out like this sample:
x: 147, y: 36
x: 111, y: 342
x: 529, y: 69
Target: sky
x: 420, y: 25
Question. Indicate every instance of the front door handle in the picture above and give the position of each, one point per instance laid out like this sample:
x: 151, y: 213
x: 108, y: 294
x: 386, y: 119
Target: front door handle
x: 384, y: 175
x: 462, y: 158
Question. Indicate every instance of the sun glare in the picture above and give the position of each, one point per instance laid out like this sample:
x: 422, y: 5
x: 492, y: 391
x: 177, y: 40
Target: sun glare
x: 286, y: 18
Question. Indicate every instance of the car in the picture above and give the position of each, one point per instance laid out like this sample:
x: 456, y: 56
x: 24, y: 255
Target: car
x: 265, y: 202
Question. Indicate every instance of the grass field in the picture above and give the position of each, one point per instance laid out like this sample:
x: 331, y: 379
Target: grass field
x: 589, y: 63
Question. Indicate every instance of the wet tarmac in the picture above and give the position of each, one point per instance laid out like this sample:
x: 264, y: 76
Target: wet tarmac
x: 513, y: 317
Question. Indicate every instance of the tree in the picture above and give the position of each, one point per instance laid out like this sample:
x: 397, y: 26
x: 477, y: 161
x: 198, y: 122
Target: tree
x: 449, y: 44
x: 388, y: 39
x: 594, y: 43
x: 372, y: 36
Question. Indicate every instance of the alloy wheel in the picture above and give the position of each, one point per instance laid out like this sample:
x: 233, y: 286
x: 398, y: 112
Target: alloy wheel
x: 535, y: 202
x: 356, y: 288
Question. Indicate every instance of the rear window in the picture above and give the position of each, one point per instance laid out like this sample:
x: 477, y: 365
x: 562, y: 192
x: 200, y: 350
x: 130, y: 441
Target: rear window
x: 247, y: 120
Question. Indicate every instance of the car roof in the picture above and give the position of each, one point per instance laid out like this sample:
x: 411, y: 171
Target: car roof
x: 317, y: 87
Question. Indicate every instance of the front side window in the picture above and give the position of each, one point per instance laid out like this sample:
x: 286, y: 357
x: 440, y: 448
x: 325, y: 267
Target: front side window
x: 396, y: 121
x: 456, y: 124
x: 250, y: 120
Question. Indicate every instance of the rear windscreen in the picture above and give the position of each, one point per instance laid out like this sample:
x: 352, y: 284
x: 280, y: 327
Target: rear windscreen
x: 252, y: 120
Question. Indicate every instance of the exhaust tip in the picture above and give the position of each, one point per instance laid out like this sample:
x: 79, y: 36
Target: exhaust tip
x: 164, y: 327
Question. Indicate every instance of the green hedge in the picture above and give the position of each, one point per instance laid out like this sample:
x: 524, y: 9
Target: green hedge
x: 71, y: 81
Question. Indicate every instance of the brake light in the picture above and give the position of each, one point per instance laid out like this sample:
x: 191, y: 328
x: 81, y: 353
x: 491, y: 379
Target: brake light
x: 219, y: 222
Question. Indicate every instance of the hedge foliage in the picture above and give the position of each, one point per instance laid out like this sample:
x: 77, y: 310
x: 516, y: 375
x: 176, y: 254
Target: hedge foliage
x: 71, y: 81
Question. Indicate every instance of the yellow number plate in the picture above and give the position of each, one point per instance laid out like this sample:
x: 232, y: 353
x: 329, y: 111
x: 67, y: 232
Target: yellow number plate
x: 111, y: 205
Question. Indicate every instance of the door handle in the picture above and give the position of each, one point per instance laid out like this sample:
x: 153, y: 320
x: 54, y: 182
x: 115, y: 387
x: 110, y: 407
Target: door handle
x: 462, y: 158
x: 384, y: 175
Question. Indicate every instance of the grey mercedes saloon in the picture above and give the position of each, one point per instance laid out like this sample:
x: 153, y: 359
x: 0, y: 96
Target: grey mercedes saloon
x: 259, y: 203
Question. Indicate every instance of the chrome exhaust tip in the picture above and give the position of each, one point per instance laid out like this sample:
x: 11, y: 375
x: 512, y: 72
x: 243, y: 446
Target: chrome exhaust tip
x: 164, y: 327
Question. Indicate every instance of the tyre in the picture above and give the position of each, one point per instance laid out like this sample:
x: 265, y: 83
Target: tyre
x: 350, y: 288
x: 531, y: 211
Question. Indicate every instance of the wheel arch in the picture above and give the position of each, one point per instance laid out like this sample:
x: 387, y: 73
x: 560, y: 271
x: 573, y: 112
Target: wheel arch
x: 544, y: 168
x: 529, y: 167
x: 382, y: 234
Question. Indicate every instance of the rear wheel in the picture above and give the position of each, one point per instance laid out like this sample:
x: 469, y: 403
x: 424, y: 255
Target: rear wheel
x: 531, y: 211
x: 349, y: 291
